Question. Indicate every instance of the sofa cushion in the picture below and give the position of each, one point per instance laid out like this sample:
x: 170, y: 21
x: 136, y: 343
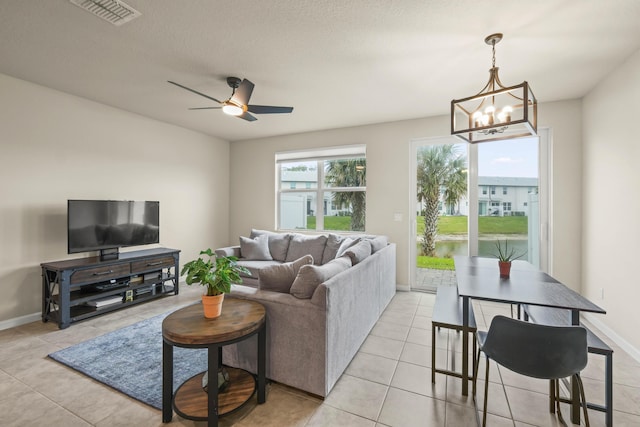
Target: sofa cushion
x: 345, y: 244
x: 301, y: 245
x: 254, y: 267
x: 255, y: 249
x: 310, y: 276
x: 278, y: 243
x: 378, y: 243
x: 359, y: 252
x: 278, y: 278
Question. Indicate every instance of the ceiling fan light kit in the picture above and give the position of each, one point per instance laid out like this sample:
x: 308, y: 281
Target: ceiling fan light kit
x: 497, y: 112
x: 238, y: 103
x: 232, y: 109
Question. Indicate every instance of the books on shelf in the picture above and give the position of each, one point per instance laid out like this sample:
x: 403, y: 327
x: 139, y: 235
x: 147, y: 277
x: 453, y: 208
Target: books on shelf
x: 101, y: 302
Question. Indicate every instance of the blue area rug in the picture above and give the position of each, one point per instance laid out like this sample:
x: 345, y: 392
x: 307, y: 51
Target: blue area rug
x: 130, y: 360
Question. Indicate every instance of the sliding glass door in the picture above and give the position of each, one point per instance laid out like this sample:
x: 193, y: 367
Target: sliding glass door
x: 468, y: 198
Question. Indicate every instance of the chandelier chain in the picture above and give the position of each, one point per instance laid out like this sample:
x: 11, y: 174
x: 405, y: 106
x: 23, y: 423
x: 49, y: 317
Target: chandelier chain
x: 493, y: 49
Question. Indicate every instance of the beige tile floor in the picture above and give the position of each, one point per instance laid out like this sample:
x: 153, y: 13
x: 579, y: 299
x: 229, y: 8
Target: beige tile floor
x: 388, y: 383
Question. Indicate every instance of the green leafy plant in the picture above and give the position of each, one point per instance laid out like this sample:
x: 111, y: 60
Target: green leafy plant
x: 216, y: 273
x: 505, y: 254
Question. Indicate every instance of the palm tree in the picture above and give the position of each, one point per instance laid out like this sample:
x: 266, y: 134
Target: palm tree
x: 349, y: 173
x: 440, y: 169
x: 457, y: 186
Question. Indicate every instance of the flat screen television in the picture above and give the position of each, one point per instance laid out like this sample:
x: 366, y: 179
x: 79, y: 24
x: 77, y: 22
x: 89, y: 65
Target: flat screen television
x: 107, y: 225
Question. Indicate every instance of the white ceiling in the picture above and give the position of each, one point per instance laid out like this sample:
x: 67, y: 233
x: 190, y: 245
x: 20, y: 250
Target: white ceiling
x: 338, y: 63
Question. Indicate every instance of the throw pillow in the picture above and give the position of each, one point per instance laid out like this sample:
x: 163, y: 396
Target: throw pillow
x: 359, y: 252
x: 278, y: 278
x: 346, y: 243
x: 255, y: 249
x: 310, y: 276
x: 378, y: 243
x: 278, y: 243
x: 331, y: 249
x: 301, y: 245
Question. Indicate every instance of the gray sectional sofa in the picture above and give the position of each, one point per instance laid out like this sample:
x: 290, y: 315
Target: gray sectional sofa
x: 320, y: 308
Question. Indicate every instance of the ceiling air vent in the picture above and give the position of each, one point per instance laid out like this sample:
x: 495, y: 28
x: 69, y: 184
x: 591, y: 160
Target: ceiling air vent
x: 114, y: 11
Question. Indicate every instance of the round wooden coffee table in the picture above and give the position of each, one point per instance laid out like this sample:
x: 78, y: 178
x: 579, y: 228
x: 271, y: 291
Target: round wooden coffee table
x: 188, y: 327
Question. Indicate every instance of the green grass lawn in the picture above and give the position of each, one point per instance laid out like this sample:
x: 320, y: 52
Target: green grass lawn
x: 435, y: 263
x: 446, y: 224
x: 486, y: 225
x: 334, y: 223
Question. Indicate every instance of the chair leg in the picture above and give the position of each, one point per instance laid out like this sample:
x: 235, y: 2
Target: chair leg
x: 486, y: 393
x: 475, y: 372
x: 557, y: 399
x: 474, y: 362
x: 583, y: 400
x: 552, y: 396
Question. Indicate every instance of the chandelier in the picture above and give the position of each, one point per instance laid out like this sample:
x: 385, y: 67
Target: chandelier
x: 497, y: 112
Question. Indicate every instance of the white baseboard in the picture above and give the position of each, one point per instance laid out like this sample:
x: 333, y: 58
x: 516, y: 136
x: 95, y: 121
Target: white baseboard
x: 18, y: 321
x: 403, y: 288
x: 624, y: 344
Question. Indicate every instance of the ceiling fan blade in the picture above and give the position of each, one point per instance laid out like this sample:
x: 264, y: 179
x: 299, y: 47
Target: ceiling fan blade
x: 206, y: 108
x: 268, y: 109
x: 248, y: 117
x: 194, y: 91
x: 243, y: 93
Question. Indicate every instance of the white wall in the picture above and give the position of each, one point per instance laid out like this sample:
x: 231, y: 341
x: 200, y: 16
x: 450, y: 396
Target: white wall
x: 565, y: 124
x: 55, y: 146
x: 388, y: 147
x: 611, y: 202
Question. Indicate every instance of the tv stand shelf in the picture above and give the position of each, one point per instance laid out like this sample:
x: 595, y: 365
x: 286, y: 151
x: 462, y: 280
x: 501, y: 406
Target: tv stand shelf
x: 69, y: 292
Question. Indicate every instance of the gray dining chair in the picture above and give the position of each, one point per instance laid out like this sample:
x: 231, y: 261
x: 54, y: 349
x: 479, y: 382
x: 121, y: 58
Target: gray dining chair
x: 533, y: 350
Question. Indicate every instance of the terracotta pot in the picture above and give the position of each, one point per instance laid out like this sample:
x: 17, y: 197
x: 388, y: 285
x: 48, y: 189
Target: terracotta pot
x: 212, y: 305
x: 505, y: 269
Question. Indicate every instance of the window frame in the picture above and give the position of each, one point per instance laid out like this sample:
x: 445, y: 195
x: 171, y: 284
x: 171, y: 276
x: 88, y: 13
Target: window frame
x: 320, y: 156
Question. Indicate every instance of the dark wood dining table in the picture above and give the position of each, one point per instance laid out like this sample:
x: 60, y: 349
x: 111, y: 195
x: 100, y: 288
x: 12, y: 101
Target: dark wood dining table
x: 479, y: 278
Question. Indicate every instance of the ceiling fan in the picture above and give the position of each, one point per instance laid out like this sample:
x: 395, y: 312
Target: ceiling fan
x: 238, y: 103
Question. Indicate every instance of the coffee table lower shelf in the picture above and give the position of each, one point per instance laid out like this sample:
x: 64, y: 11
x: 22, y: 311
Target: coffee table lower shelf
x: 190, y: 400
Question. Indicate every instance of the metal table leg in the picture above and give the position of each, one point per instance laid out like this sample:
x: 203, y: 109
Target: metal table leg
x: 575, y: 393
x: 167, y: 382
x: 262, y: 363
x: 465, y: 346
x: 213, y: 361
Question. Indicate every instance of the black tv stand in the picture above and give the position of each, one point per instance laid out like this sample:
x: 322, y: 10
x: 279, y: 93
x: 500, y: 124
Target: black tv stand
x: 77, y: 289
x: 109, y: 254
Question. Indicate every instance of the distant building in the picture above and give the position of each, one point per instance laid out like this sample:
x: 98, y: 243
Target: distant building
x: 498, y: 196
x: 300, y: 180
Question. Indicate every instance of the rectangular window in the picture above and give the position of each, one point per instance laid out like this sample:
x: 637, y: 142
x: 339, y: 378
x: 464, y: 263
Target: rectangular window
x: 506, y: 206
x: 504, y: 190
x: 330, y: 193
x: 493, y: 190
x: 484, y: 190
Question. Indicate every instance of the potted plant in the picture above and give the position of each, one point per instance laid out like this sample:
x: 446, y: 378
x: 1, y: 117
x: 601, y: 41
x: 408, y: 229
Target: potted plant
x: 505, y: 256
x: 216, y: 274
